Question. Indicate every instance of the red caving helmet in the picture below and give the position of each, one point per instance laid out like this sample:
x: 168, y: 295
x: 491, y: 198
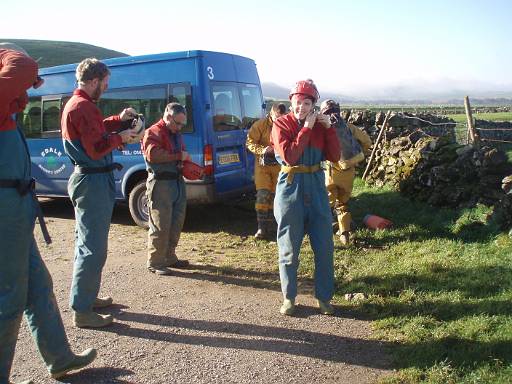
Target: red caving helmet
x: 305, y: 87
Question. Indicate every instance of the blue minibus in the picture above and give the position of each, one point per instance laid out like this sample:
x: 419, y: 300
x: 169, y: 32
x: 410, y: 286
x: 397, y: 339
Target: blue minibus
x: 222, y: 94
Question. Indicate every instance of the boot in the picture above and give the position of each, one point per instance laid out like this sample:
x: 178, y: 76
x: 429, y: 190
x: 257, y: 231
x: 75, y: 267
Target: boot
x: 91, y: 320
x: 22, y: 382
x: 326, y: 308
x: 288, y: 307
x: 345, y: 238
x: 261, y: 216
x: 102, y: 302
x: 81, y: 360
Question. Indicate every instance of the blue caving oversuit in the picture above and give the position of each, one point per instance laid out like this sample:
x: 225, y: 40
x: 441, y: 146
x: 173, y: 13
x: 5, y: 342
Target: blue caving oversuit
x: 25, y: 283
x: 88, y: 141
x: 301, y: 204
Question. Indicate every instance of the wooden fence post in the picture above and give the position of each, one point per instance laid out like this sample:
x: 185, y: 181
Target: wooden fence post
x: 374, y: 150
x: 471, y: 127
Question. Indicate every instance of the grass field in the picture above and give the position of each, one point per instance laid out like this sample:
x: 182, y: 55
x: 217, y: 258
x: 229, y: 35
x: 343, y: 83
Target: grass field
x: 500, y: 116
x: 438, y: 285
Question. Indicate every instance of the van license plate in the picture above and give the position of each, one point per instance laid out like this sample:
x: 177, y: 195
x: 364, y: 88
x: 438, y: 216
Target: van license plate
x: 229, y: 158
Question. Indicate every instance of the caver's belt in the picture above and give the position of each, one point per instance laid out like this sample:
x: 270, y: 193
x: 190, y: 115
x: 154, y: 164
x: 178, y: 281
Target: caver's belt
x: 167, y: 175
x: 292, y: 170
x: 28, y: 186
x: 105, y: 169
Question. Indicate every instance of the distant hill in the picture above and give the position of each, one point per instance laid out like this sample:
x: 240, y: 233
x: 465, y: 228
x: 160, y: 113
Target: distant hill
x: 50, y: 53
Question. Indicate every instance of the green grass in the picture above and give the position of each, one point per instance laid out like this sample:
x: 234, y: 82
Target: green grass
x: 499, y: 116
x: 439, y: 288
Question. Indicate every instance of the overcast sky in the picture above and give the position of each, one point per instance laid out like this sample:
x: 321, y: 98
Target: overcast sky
x: 350, y: 47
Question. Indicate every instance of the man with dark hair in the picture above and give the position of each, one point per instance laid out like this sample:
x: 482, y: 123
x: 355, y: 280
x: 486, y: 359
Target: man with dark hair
x: 89, y: 141
x: 266, y: 170
x: 25, y: 284
x: 164, y: 153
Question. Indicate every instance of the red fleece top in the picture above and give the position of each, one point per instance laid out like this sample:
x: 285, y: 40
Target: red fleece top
x: 17, y: 74
x: 289, y: 140
x: 82, y: 120
x: 157, y: 146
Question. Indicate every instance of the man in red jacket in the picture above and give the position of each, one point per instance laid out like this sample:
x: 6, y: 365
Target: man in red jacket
x: 25, y: 284
x: 89, y: 140
x: 164, y: 153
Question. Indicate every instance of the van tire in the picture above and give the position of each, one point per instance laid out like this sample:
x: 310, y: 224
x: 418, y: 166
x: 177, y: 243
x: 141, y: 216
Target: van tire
x: 138, y: 204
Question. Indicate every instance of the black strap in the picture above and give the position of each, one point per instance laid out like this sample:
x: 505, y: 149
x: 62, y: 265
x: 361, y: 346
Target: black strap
x: 23, y: 187
x: 106, y: 169
x: 166, y: 175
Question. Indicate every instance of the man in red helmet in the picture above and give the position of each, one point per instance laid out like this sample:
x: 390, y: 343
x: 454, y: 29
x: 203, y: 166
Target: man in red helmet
x: 25, y: 283
x: 301, y: 140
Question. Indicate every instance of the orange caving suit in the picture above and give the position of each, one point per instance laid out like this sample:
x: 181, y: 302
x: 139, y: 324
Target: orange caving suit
x: 340, y: 177
x: 265, y: 176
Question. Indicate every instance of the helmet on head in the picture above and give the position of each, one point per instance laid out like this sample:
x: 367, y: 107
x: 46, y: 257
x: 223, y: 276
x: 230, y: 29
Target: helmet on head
x: 13, y: 47
x: 305, y: 87
x: 329, y: 106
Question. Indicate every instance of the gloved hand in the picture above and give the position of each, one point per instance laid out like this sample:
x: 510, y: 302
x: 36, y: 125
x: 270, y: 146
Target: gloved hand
x: 269, y: 157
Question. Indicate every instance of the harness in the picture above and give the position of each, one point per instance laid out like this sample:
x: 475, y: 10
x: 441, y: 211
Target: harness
x: 91, y: 170
x: 24, y: 187
x: 166, y: 175
x: 292, y: 170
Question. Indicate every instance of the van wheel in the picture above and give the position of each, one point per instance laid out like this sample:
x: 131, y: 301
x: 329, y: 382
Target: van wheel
x: 138, y: 204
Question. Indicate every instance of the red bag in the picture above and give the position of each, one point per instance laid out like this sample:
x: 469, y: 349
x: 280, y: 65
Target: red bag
x: 192, y: 171
x: 376, y: 222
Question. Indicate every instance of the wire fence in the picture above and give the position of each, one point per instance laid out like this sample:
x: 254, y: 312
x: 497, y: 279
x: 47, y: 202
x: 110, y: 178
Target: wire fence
x: 461, y: 131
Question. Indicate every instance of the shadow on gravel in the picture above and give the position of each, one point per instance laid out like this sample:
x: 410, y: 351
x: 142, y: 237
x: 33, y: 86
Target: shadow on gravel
x: 98, y: 375
x: 240, y: 277
x: 259, y: 338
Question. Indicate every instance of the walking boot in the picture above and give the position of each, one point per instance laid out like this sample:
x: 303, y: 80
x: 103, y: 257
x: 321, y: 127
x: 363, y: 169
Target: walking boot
x: 22, y: 382
x: 91, y: 320
x: 102, y: 302
x: 261, y: 217
x: 345, y: 238
x: 288, y: 307
x: 326, y: 308
x: 80, y: 361
x: 261, y: 233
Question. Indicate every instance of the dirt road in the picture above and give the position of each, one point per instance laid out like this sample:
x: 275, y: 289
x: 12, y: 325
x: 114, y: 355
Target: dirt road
x: 217, y: 322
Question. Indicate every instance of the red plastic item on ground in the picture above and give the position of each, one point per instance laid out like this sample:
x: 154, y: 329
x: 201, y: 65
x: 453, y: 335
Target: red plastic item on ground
x: 192, y: 171
x: 376, y: 222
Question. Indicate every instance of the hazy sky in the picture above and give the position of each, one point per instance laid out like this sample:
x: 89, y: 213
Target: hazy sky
x: 351, y: 47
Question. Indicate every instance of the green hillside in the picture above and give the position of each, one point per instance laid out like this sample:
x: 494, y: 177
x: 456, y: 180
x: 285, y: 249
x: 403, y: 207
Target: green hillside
x: 50, y: 53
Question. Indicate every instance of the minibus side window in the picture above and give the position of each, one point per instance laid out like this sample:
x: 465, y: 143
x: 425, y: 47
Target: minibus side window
x: 227, y: 115
x: 252, y: 103
x: 181, y: 93
x: 30, y: 119
x: 150, y: 101
x: 51, y: 118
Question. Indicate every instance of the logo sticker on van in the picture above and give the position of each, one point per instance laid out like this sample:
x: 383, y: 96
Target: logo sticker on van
x: 52, y: 163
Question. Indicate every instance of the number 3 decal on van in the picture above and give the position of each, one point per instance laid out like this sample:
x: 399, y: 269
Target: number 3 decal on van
x: 210, y: 73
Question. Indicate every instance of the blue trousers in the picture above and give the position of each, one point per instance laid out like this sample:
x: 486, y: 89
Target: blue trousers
x: 300, y: 208
x: 93, y: 198
x: 26, y: 287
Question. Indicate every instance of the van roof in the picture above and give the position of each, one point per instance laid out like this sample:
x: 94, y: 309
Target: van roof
x: 124, y: 60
